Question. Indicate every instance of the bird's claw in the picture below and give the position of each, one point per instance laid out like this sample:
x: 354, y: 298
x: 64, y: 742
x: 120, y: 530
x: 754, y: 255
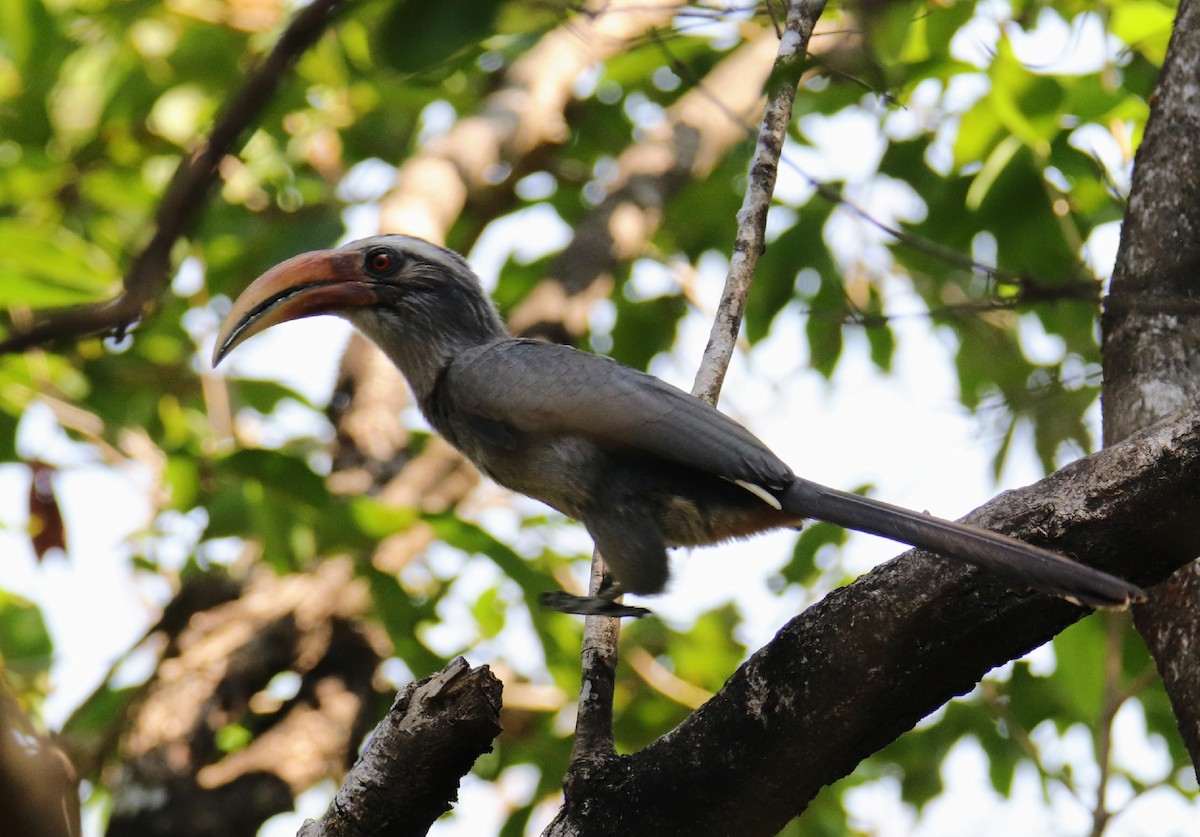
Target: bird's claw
x: 590, y: 605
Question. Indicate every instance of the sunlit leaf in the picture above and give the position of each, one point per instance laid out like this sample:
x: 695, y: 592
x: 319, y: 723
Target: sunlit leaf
x: 42, y: 267
x: 25, y: 644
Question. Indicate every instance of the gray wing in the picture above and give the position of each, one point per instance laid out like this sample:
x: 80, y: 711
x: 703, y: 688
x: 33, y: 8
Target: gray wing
x: 537, y: 387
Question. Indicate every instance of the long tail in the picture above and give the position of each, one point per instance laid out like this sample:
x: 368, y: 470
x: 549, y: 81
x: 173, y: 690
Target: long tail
x: 1012, y: 559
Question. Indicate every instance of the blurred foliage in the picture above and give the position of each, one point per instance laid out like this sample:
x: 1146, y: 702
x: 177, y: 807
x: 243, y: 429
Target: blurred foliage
x: 1003, y: 163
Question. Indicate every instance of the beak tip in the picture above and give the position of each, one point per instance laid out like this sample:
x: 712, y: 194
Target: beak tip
x: 222, y: 348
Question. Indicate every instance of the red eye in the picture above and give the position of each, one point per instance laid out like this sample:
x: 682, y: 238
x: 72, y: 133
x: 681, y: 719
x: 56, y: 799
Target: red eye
x: 382, y: 262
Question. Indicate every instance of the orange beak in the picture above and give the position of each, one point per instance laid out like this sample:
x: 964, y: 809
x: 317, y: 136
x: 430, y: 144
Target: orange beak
x: 320, y: 282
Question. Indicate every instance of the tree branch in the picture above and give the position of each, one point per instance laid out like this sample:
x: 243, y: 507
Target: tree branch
x: 184, y: 198
x: 750, y: 241
x: 862, y: 666
x: 598, y: 679
x: 408, y: 774
x: 1151, y: 327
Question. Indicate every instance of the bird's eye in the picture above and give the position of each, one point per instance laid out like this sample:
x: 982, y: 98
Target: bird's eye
x: 382, y: 261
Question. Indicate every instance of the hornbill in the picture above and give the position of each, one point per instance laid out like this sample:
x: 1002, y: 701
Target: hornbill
x: 643, y: 465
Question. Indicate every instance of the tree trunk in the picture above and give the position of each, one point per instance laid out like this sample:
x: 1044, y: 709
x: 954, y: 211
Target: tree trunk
x: 1151, y: 331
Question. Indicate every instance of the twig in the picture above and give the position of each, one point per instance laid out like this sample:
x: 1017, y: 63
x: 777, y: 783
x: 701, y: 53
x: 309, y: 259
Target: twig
x: 148, y: 276
x: 1114, y: 628
x: 750, y: 240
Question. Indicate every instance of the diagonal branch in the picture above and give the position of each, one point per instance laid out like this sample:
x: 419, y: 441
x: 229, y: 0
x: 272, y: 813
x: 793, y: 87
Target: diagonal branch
x: 750, y: 241
x: 184, y: 198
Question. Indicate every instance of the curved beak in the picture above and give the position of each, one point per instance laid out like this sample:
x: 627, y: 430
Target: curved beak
x: 320, y: 282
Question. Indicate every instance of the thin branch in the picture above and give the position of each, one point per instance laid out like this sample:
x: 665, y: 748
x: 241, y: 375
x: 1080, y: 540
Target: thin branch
x: 598, y: 677
x: 1032, y: 288
x: 594, y: 738
x: 750, y: 240
x: 593, y: 727
x: 1114, y: 630
x: 184, y: 198
x: 914, y: 242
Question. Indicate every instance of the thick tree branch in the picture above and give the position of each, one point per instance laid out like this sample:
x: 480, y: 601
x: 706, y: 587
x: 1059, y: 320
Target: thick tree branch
x: 1151, y: 329
x: 184, y: 198
x: 909, y: 636
x: 408, y: 774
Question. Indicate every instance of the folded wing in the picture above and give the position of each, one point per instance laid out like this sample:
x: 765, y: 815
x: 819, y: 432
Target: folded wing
x: 538, y: 387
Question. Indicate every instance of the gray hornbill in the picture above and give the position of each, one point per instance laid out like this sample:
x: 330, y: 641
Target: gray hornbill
x: 643, y: 465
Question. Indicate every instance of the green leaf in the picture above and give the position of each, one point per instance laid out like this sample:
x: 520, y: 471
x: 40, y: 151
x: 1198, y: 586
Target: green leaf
x: 182, y: 476
x: 417, y: 35
x: 879, y: 332
x: 233, y: 737
x: 799, y: 247
x: 1026, y: 105
x: 401, y: 616
x: 43, y: 267
x: 1145, y: 25
x: 263, y: 396
x: 489, y: 612
x: 645, y: 328
x: 25, y: 645
x: 1080, y: 673
x: 8, y: 437
x: 286, y: 476
x: 826, y: 319
x: 378, y: 519
x: 91, y: 725
x: 802, y: 568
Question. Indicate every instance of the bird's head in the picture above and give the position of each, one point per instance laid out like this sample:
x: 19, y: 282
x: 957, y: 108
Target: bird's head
x: 417, y: 301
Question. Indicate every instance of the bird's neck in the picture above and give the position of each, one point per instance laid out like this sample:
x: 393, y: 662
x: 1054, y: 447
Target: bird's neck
x: 421, y: 353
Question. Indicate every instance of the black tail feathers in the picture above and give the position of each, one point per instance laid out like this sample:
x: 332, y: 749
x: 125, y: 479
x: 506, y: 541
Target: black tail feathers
x: 1012, y: 559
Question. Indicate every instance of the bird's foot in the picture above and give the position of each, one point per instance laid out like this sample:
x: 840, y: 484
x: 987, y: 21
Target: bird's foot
x: 590, y: 605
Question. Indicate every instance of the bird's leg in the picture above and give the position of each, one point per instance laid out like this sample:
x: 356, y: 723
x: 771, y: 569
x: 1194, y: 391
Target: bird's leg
x: 604, y: 603
x: 631, y: 546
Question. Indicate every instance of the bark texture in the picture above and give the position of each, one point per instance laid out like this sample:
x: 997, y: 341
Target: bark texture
x: 408, y: 774
x: 1152, y: 329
